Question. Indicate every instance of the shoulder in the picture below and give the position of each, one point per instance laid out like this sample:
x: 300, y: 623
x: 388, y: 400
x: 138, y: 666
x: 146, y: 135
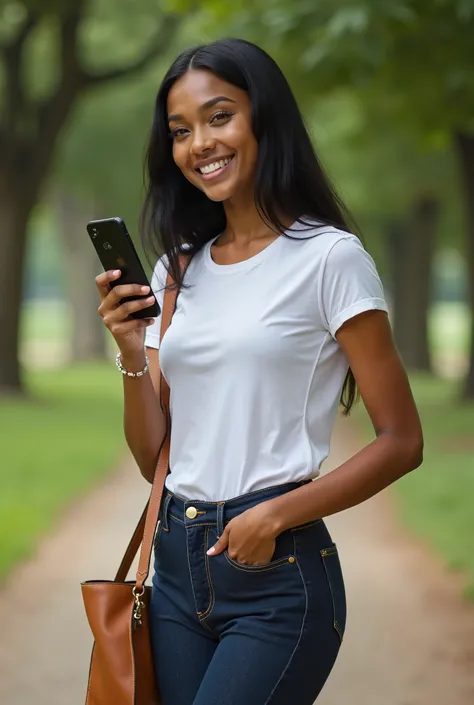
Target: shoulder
x: 320, y: 242
x: 345, y: 251
x: 317, y: 233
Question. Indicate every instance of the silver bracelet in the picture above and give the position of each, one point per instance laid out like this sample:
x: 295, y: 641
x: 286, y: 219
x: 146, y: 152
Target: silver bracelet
x: 118, y: 362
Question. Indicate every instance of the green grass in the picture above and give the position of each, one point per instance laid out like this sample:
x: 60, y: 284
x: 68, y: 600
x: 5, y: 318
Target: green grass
x: 58, y: 445
x: 55, y: 446
x: 436, y: 501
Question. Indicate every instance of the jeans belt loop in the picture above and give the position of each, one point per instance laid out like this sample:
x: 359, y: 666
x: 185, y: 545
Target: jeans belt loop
x: 220, y: 518
x: 164, y: 511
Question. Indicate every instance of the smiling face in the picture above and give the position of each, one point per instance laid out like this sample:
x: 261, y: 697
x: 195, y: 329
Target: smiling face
x: 213, y: 142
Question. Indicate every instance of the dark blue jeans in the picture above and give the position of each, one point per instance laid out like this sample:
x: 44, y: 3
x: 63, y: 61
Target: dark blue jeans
x: 230, y: 634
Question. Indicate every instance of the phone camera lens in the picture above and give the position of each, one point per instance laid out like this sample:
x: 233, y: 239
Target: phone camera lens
x: 107, y: 246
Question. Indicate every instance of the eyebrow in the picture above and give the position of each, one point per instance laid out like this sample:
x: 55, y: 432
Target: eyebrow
x: 205, y: 106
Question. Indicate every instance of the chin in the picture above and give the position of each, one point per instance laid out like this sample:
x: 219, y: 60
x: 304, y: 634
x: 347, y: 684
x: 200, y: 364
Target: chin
x: 218, y: 199
x: 218, y: 195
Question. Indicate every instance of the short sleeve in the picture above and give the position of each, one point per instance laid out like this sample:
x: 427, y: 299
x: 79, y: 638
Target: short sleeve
x: 158, y: 284
x: 350, y: 284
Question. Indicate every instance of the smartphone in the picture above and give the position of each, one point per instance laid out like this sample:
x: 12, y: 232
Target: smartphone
x: 116, y: 250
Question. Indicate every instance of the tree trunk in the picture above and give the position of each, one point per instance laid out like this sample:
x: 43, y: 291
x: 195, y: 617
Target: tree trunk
x: 81, y: 266
x: 412, y: 246
x: 29, y: 131
x: 465, y: 148
x: 14, y: 215
x: 25, y: 161
x: 397, y: 238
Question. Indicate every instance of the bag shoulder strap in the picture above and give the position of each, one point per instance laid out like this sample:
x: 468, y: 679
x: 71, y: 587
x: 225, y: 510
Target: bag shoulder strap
x: 145, y: 529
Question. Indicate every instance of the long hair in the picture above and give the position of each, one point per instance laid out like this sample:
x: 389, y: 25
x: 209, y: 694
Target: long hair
x: 289, y: 178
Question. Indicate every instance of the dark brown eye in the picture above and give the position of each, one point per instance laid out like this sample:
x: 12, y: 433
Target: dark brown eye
x: 221, y: 115
x: 179, y: 132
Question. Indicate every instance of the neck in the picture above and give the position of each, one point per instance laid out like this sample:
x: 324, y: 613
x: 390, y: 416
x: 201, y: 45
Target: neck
x: 244, y: 223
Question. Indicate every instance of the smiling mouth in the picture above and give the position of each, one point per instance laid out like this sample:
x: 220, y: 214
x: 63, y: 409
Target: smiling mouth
x: 210, y: 171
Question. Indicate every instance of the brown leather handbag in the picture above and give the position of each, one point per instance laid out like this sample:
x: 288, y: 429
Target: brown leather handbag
x: 121, y: 670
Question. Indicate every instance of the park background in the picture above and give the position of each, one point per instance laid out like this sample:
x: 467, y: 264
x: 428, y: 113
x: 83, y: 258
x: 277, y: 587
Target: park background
x: 387, y: 90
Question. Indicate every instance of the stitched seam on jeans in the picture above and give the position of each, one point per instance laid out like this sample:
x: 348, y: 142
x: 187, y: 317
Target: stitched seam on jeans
x: 329, y: 551
x: 203, y: 623
x: 193, y: 524
x: 331, y: 590
x: 267, y: 702
x: 255, y: 568
x: 156, y: 542
x: 205, y: 614
x: 172, y: 516
x: 164, y: 511
x: 202, y: 620
x: 306, y: 526
x: 190, y: 574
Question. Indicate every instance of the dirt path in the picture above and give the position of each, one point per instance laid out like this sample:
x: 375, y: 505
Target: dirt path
x: 409, y: 639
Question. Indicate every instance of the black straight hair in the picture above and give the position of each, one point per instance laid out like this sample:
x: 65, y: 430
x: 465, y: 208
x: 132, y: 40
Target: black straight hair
x: 178, y: 217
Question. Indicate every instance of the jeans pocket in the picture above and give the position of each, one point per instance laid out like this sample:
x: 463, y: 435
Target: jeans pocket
x: 260, y: 567
x: 284, y: 553
x: 332, y: 566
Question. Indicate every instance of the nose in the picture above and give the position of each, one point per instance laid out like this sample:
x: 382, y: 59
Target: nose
x: 202, y: 141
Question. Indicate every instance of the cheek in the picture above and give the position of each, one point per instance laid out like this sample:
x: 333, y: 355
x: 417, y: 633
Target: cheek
x: 250, y: 155
x: 246, y: 144
x: 247, y: 150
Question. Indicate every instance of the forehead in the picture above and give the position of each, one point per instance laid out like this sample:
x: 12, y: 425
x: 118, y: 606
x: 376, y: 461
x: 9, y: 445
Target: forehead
x: 196, y: 87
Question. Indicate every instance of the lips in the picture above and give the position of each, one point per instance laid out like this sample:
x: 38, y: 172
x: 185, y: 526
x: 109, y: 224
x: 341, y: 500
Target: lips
x: 214, y: 169
x: 206, y: 164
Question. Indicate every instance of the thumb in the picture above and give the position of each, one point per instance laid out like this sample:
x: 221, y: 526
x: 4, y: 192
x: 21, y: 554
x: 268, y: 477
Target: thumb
x: 221, y: 545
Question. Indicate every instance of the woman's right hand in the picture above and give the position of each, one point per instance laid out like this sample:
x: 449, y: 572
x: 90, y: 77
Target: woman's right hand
x: 129, y: 333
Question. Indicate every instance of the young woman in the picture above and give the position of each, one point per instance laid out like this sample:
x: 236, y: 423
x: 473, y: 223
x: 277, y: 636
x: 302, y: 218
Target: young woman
x: 280, y: 314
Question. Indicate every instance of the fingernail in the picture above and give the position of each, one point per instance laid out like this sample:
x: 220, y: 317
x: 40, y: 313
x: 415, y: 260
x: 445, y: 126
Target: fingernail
x: 211, y: 551
x: 145, y: 289
x: 150, y: 299
x: 116, y: 272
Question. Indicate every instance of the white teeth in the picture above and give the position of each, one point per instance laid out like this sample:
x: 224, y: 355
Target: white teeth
x: 214, y: 166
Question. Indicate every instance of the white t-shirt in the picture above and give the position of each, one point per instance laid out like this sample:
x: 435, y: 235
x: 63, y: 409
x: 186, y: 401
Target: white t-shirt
x: 253, y: 365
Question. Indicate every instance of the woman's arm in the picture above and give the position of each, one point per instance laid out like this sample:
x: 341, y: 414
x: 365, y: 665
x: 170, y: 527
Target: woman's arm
x: 144, y: 421
x: 398, y: 448
x: 368, y: 344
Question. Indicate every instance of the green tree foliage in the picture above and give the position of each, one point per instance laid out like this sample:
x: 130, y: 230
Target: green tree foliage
x: 51, y: 53
x: 408, y: 62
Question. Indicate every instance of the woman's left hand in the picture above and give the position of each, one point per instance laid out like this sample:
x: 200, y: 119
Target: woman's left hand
x: 249, y: 537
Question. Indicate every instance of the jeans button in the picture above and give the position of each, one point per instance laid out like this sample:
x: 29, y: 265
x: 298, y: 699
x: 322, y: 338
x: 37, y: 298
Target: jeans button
x: 191, y: 512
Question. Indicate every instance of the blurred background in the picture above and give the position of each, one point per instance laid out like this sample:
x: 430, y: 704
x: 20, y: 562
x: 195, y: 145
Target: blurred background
x: 387, y: 90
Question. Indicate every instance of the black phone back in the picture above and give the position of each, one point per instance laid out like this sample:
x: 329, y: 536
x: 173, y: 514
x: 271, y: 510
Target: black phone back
x: 116, y: 250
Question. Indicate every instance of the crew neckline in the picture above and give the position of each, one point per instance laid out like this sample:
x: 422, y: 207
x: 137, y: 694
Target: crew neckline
x: 250, y: 262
